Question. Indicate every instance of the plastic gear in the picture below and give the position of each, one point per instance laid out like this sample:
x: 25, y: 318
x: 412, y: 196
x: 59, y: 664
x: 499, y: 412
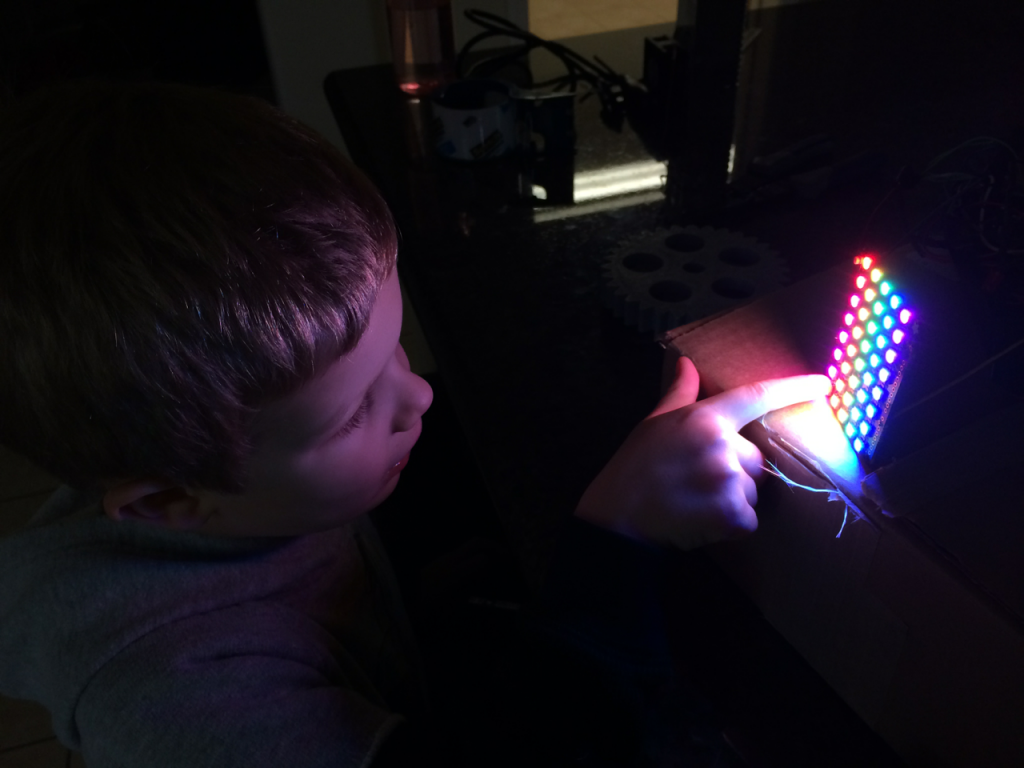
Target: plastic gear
x: 670, y: 277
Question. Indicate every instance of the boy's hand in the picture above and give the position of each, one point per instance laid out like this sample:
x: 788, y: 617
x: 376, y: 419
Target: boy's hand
x: 685, y: 476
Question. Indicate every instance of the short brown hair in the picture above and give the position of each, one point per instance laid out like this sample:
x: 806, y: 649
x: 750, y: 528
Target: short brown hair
x: 171, y: 258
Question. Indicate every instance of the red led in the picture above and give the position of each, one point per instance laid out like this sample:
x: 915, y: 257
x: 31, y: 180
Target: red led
x: 861, y: 281
x: 854, y: 301
x: 832, y: 371
x: 834, y: 401
x: 866, y: 261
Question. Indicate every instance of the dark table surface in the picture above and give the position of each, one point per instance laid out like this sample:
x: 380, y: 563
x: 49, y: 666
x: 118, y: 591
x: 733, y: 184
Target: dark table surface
x: 546, y: 381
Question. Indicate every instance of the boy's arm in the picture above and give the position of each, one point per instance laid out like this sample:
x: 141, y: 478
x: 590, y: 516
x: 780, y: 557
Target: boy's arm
x: 249, y: 686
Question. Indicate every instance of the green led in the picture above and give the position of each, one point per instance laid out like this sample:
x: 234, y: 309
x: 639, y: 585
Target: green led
x: 881, y: 341
x: 862, y: 396
x: 895, y: 301
x: 858, y: 364
x: 873, y: 327
x: 885, y: 288
x: 874, y: 360
x: 865, y: 346
x: 854, y: 382
x: 879, y: 308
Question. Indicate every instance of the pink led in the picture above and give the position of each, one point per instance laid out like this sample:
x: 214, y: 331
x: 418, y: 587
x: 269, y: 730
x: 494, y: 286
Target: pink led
x: 848, y: 319
x: 843, y: 337
x: 861, y: 281
x: 854, y: 301
x: 904, y: 316
x: 838, y: 355
x: 834, y: 401
x: 845, y: 367
x: 832, y: 371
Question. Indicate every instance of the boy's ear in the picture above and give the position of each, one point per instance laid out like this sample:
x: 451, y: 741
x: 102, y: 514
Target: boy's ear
x: 154, y: 501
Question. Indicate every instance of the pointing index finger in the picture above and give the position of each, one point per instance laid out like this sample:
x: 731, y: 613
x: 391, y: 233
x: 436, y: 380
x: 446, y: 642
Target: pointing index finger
x: 744, y: 404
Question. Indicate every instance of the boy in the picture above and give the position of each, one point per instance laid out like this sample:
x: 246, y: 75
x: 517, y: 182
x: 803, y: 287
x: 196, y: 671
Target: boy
x: 199, y: 319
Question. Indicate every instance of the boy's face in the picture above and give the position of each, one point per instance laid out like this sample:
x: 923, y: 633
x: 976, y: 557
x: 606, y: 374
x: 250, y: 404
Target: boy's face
x: 332, y: 450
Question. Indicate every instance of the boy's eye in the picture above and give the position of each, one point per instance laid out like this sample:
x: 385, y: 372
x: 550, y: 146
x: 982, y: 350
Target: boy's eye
x: 357, y: 418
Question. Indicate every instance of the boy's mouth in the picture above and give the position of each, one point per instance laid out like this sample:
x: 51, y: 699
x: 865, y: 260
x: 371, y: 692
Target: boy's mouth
x: 398, y: 467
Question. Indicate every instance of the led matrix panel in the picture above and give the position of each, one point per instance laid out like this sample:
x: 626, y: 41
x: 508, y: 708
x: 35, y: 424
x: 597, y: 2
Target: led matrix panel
x: 870, y: 356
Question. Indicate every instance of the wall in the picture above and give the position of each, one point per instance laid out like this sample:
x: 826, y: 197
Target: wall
x: 306, y: 39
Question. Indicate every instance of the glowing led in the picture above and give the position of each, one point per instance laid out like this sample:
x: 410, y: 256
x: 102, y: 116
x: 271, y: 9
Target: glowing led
x: 872, y: 327
x: 869, y: 294
x: 868, y: 379
x: 855, y: 414
x: 877, y: 393
x: 887, y: 322
x: 848, y: 319
x: 870, y: 410
x: 879, y: 308
x: 854, y: 382
x: 881, y: 341
x: 858, y: 364
x: 850, y: 431
x: 852, y: 350
x: 832, y: 371
x: 866, y: 262
x: 861, y: 281
x: 874, y: 360
x: 890, y: 356
x: 840, y: 385
x: 857, y: 331
x: 843, y: 337
x: 842, y: 415
x: 883, y: 375
x: 862, y: 396
x: 865, y: 428
x: 863, y: 314
x: 895, y: 301
x: 855, y: 301
x: 858, y: 445
x: 897, y: 336
x: 847, y: 399
x: 838, y: 355
x: 904, y: 316
x: 844, y: 367
x: 885, y: 288
x: 876, y: 275
x: 834, y: 401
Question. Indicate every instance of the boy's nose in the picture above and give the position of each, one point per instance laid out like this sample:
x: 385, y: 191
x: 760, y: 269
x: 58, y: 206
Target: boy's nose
x: 416, y: 398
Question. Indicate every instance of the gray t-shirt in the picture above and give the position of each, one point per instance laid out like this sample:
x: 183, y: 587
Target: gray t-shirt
x: 159, y: 648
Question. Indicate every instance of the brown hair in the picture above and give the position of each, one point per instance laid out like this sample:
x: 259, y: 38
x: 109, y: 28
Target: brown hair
x: 171, y: 258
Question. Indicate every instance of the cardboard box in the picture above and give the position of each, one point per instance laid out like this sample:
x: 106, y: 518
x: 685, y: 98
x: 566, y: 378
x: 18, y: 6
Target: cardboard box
x: 915, y: 614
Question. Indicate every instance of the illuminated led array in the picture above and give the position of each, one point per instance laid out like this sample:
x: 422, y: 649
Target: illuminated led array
x: 867, y: 363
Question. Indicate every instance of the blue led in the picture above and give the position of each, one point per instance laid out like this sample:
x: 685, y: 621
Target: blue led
x: 895, y: 301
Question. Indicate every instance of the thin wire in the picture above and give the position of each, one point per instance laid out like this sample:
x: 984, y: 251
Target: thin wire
x: 976, y: 369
